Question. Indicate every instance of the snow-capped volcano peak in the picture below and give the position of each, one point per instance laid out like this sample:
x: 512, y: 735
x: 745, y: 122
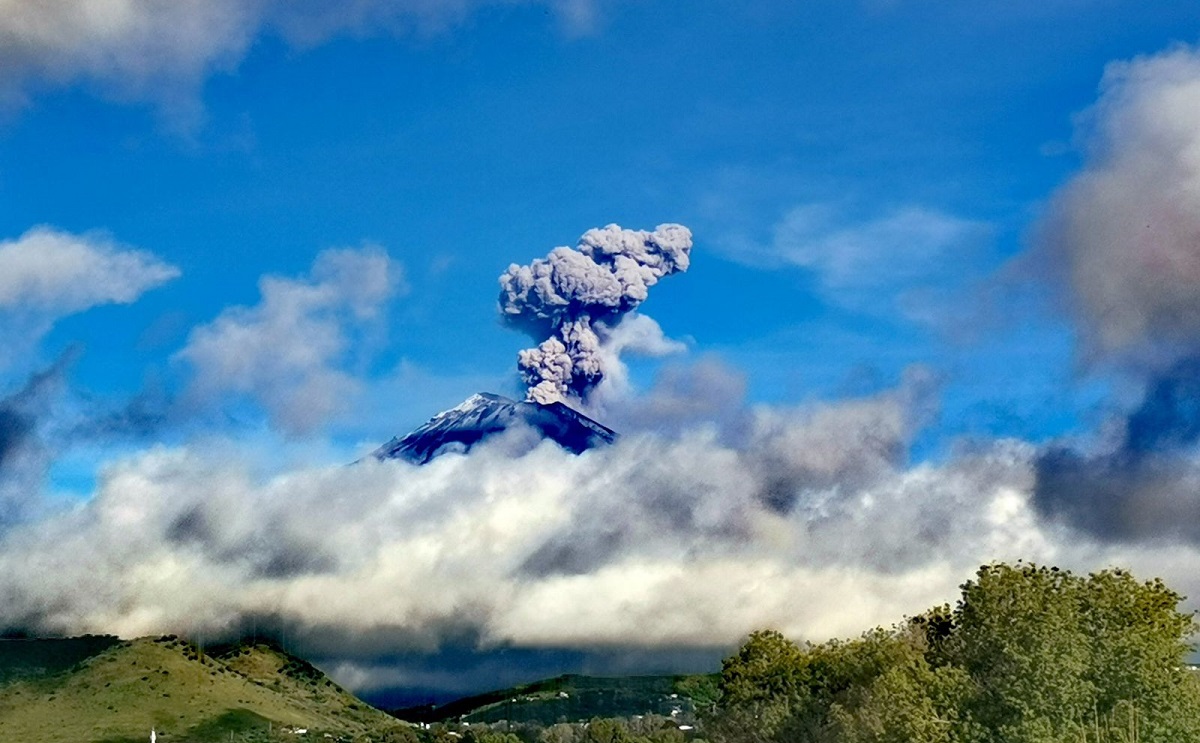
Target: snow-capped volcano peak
x: 483, y: 415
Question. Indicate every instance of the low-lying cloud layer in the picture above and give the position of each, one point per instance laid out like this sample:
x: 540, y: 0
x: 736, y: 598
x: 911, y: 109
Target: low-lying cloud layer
x: 809, y: 520
x: 654, y: 541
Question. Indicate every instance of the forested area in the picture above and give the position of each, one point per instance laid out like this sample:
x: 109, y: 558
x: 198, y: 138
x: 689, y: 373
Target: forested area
x: 1029, y: 654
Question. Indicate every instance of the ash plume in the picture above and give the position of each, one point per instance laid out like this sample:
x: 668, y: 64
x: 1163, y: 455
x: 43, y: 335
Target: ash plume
x: 572, y: 299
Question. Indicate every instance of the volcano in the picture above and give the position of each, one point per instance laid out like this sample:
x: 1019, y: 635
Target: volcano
x: 485, y: 415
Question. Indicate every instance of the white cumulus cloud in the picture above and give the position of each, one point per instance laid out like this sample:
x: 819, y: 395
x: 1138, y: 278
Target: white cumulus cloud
x: 1124, y: 233
x: 813, y: 523
x: 47, y: 274
x: 292, y: 351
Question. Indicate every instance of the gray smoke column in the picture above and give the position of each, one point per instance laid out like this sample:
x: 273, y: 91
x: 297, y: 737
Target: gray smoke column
x: 570, y: 299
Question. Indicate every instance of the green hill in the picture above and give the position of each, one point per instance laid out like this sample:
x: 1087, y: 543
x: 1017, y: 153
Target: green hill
x: 574, y: 698
x: 115, y: 692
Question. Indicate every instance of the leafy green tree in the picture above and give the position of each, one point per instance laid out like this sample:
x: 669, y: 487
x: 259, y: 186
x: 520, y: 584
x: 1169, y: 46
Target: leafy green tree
x: 1029, y: 654
x: 762, y: 686
x: 656, y: 728
x: 606, y: 730
x: 907, y: 704
x: 561, y: 733
x: 1019, y: 634
x: 481, y: 734
x: 666, y: 734
x: 399, y: 734
x: 1139, y: 640
x: 704, y: 690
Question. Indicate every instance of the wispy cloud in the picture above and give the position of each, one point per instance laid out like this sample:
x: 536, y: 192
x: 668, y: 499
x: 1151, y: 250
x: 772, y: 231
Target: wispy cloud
x: 163, y: 51
x: 291, y: 353
x: 25, y: 454
x: 876, y: 264
x: 47, y: 274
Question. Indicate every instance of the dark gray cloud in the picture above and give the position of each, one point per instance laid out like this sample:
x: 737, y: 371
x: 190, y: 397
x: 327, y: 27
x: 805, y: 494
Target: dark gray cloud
x: 24, y: 453
x: 16, y: 428
x: 1146, y: 485
x: 457, y: 670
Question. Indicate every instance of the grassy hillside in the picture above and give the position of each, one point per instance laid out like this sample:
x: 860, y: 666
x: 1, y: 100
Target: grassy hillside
x: 117, y: 695
x: 572, y: 698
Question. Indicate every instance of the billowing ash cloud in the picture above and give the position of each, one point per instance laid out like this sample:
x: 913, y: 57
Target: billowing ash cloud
x: 1123, y: 237
x: 575, y: 298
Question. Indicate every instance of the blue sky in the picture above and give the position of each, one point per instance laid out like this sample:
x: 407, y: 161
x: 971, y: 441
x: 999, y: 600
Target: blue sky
x: 490, y: 140
x: 270, y: 233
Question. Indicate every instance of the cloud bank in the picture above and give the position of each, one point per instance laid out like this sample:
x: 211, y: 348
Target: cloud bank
x: 651, y: 541
x: 814, y: 523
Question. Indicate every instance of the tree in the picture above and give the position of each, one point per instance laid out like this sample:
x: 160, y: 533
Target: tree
x: 761, y: 687
x: 1139, y: 640
x: 399, y: 734
x: 1029, y: 654
x: 906, y: 704
x: 1019, y: 634
x: 606, y: 731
